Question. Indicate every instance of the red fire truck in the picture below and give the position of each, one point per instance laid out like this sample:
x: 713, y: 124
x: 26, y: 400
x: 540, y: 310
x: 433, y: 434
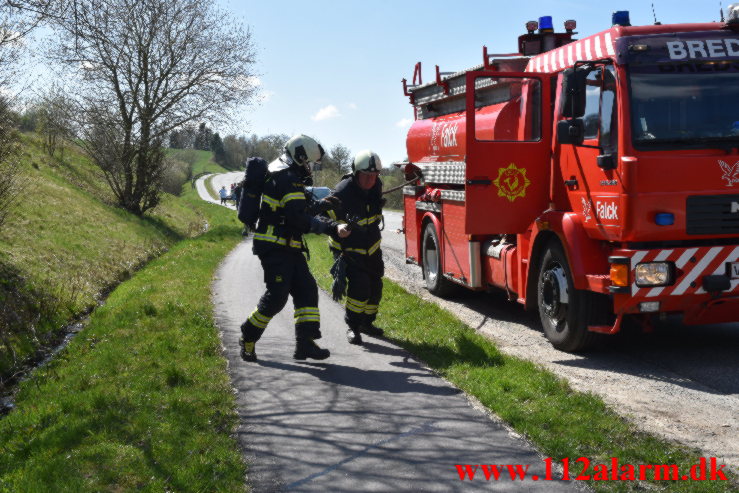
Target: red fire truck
x: 593, y: 179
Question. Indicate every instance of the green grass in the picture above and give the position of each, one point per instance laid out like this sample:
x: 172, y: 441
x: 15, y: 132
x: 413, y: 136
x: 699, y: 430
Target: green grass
x: 542, y: 407
x: 211, y: 189
x: 140, y: 400
x: 65, y: 245
x: 205, y: 163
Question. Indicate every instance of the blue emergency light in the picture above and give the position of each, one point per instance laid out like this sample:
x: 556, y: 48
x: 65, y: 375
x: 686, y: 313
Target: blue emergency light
x: 664, y: 219
x: 620, y: 18
x: 546, y: 23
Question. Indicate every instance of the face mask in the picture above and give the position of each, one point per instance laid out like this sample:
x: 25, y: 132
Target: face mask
x: 366, y: 180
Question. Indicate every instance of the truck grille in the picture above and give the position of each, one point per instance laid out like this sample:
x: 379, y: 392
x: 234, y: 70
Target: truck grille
x: 712, y: 215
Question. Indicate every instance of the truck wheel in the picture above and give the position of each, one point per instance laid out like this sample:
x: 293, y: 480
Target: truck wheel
x: 436, y: 283
x: 565, y: 312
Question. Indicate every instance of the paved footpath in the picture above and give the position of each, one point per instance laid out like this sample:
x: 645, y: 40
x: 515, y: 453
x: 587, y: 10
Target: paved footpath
x: 368, y: 418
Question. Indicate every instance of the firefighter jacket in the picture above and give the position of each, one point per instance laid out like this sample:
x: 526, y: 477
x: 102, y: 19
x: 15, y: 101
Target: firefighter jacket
x: 362, y: 210
x: 283, y: 216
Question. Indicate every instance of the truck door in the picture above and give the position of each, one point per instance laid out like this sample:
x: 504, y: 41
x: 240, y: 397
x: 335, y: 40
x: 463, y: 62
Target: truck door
x: 507, y: 174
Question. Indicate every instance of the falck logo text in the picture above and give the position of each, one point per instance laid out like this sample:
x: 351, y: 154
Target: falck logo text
x: 731, y: 173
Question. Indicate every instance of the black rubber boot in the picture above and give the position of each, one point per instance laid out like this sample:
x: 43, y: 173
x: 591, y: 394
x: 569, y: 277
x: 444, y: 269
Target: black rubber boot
x: 372, y: 330
x: 248, y: 350
x: 307, y: 348
x: 354, y: 337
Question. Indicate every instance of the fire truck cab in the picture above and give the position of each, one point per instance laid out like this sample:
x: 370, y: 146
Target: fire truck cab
x: 591, y: 179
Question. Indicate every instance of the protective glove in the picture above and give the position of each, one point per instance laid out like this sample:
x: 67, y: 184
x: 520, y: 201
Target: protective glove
x: 343, y: 230
x: 327, y: 204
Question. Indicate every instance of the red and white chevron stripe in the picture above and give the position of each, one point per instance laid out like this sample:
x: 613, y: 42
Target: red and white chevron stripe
x: 691, y: 265
x: 594, y: 47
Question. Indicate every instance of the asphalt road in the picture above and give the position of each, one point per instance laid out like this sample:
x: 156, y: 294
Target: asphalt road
x: 369, y: 418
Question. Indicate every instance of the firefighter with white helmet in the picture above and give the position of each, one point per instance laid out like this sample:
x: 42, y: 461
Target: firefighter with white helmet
x: 278, y: 242
x: 360, y: 195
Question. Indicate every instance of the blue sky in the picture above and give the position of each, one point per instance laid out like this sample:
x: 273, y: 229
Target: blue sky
x: 332, y: 69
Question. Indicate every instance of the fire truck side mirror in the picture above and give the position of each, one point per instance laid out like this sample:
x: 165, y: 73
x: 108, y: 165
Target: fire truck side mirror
x: 573, y: 92
x: 571, y: 131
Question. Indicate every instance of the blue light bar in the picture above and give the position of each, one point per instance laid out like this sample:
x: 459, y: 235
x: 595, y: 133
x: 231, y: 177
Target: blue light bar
x: 664, y: 219
x: 620, y: 18
x: 546, y: 23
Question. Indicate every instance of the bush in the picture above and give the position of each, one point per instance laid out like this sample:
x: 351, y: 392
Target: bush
x: 176, y: 174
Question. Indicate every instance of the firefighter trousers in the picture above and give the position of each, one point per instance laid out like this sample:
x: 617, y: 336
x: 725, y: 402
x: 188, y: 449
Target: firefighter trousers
x: 285, y: 273
x: 364, y: 288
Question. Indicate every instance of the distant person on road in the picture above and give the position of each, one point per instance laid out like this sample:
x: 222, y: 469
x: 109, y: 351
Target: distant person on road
x: 278, y: 242
x: 360, y: 195
x: 224, y: 194
x: 236, y: 193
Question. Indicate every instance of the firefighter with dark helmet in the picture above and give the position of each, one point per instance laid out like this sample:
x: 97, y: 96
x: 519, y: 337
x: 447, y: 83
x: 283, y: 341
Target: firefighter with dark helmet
x: 360, y: 196
x: 278, y: 242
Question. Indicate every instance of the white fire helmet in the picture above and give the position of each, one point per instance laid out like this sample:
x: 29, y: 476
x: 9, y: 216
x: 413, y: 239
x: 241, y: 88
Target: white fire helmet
x: 366, y: 161
x: 304, y: 150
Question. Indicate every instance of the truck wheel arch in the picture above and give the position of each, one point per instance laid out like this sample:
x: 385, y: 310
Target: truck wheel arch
x: 427, y: 218
x: 537, y: 252
x: 588, y: 256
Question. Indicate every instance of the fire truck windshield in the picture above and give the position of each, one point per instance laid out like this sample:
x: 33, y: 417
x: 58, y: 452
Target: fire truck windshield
x: 683, y: 89
x: 693, y: 109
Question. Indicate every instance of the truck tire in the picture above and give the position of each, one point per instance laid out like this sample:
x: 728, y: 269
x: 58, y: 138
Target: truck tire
x: 565, y: 312
x: 436, y: 283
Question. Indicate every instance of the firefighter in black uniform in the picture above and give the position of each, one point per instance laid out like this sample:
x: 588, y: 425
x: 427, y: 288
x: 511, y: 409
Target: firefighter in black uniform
x: 278, y: 242
x: 360, y: 196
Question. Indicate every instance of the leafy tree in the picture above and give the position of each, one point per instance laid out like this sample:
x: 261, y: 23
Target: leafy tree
x: 203, y: 138
x: 234, y: 152
x: 219, y: 152
x: 146, y: 68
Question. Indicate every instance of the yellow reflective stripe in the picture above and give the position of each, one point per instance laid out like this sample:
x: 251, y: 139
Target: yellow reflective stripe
x: 331, y: 214
x: 307, y: 318
x: 369, y: 220
x: 307, y: 309
x: 370, y: 309
x: 260, y: 317
x: 357, y: 250
x: 374, y: 247
x: 354, y: 309
x: 357, y: 303
x: 270, y: 237
x: 259, y: 320
x: 334, y: 244
x: 273, y: 203
x: 292, y: 196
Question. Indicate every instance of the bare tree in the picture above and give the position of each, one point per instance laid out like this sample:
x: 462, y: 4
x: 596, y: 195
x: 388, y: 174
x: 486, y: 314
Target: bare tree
x: 339, y: 159
x: 148, y: 67
x: 10, y: 170
x: 53, y: 115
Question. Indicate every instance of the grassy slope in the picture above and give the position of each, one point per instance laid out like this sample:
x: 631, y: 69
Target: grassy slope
x: 560, y: 422
x: 141, y: 398
x: 67, y: 244
x: 205, y: 163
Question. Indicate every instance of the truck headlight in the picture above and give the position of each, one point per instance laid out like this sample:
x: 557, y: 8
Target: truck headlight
x: 653, y: 274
